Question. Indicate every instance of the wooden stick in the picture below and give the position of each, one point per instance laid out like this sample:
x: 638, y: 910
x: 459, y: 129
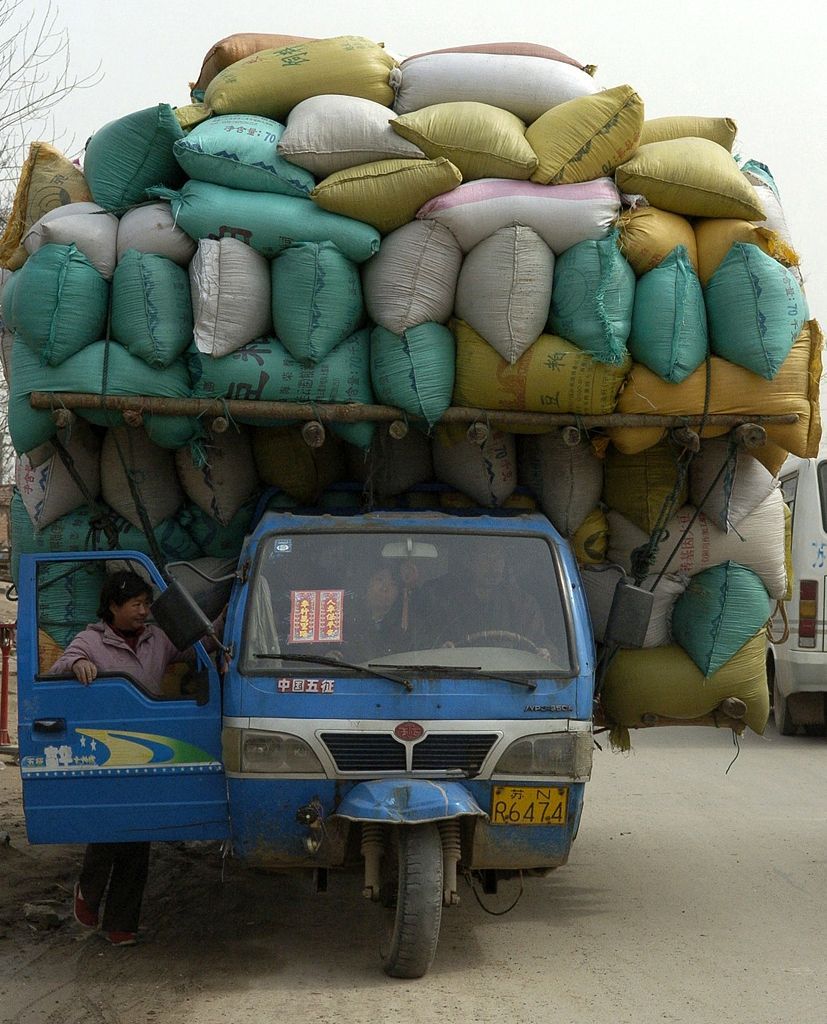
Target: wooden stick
x: 359, y: 413
x: 718, y: 718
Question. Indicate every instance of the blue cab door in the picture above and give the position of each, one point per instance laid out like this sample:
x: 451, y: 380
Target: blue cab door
x: 109, y: 762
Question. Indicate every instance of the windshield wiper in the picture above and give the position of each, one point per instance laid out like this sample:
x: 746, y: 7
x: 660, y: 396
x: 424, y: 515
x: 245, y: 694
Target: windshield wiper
x: 529, y: 684
x: 314, y: 659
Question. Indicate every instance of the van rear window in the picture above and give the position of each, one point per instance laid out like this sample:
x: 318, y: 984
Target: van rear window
x: 822, y: 493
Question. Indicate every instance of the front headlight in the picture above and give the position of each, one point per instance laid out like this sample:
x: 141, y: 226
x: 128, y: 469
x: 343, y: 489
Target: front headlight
x: 566, y: 754
x: 273, y: 753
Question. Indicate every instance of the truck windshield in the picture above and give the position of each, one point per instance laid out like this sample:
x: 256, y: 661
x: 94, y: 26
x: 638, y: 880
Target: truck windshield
x: 441, y: 603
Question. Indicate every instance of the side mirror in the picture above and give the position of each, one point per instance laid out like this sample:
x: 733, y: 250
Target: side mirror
x: 629, y: 615
x: 179, y: 616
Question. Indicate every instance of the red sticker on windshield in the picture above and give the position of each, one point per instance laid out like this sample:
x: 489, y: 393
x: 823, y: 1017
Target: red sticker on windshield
x: 316, y: 616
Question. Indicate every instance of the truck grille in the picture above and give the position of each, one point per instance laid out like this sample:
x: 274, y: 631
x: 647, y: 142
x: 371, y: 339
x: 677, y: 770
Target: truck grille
x: 381, y: 752
x: 452, y: 750
x: 365, y: 752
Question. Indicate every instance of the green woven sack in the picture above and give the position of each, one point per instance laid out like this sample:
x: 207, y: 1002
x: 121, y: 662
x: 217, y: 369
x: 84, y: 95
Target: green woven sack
x: 240, y: 151
x: 669, y: 332
x: 211, y: 538
x: 317, y: 299
x: 128, y: 156
x: 151, y: 307
x: 69, y: 592
x: 414, y: 370
x: 592, y: 299
x: 58, y: 303
x: 269, y: 223
x: 7, y: 295
x: 101, y: 368
x: 756, y: 310
x: 265, y: 371
x: 721, y: 609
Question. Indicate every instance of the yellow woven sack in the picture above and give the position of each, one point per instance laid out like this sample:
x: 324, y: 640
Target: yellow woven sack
x: 284, y: 460
x: 648, y: 235
x: 665, y: 681
x: 645, y: 486
x: 591, y: 539
x: 172, y: 681
x: 551, y: 376
x: 236, y: 47
x: 716, y: 236
x: 480, y: 140
x: 191, y: 115
x: 587, y: 137
x: 520, y: 502
x: 48, y: 651
x: 272, y: 82
x: 386, y: 193
x: 48, y: 180
x: 717, y: 129
x: 788, y: 553
x: 695, y: 177
x: 770, y: 456
x: 733, y: 390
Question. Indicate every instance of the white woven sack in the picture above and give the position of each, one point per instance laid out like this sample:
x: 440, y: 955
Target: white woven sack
x: 775, y: 219
x: 527, y: 86
x: 325, y: 134
x: 412, y: 280
x: 758, y: 543
x: 666, y: 590
x: 742, y: 483
x: 566, y: 480
x: 228, y: 477
x: 504, y: 289
x: 391, y: 466
x: 486, y: 472
x: 230, y: 285
x: 151, y: 228
x: 599, y: 583
x: 562, y: 215
x: 128, y: 450
x: 46, y: 486
x: 87, y: 226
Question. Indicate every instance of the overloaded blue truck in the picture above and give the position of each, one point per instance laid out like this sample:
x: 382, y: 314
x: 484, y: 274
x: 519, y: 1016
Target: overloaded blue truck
x: 407, y: 691
x: 406, y: 687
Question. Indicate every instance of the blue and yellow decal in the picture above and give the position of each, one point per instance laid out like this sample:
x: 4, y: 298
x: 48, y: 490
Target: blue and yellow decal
x: 101, y: 751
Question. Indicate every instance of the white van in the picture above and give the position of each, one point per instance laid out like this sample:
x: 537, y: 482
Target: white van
x: 797, y: 668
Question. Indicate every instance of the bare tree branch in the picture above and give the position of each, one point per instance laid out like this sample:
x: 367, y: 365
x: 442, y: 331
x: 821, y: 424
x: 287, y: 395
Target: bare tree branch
x: 35, y: 76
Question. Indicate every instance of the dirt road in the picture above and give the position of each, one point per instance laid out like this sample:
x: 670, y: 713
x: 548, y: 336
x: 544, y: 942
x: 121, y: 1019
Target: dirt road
x: 692, y: 896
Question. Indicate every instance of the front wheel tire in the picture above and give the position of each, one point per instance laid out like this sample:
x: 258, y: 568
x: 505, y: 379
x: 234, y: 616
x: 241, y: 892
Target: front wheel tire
x: 410, y: 944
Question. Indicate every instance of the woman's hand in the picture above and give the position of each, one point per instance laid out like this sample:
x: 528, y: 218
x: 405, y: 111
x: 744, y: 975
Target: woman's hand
x: 85, y: 670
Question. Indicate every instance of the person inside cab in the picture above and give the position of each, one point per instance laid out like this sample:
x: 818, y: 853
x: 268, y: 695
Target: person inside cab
x: 484, y: 603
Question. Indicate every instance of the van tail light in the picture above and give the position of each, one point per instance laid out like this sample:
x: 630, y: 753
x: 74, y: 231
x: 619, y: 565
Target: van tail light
x: 807, y: 612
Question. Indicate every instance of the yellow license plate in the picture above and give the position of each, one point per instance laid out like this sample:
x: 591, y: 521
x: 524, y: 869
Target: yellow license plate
x: 529, y: 805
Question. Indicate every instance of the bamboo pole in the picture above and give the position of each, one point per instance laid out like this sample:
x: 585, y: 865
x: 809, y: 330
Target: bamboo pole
x: 58, y: 401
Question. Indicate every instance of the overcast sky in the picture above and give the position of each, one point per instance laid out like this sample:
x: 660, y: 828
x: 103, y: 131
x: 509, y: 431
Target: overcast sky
x: 761, y: 63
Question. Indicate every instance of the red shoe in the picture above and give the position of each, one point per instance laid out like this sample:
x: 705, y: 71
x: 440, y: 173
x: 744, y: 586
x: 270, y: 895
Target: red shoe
x: 121, y: 938
x: 84, y: 913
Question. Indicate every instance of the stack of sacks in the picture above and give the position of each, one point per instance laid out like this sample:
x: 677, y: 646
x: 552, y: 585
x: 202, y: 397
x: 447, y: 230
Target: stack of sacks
x: 712, y: 254
x: 481, y: 226
x: 198, y: 503
x: 721, y: 526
